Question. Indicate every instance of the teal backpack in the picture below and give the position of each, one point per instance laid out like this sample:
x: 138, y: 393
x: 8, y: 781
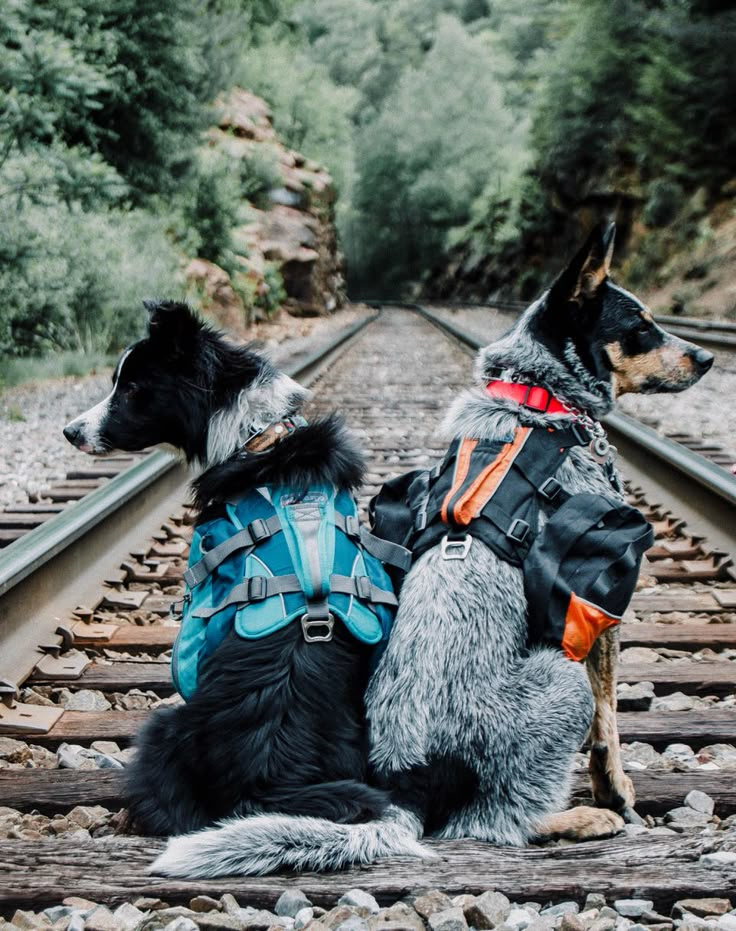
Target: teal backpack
x: 277, y: 557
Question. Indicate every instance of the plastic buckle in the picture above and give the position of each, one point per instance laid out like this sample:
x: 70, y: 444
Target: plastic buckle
x: 455, y: 549
x: 325, y: 622
x: 518, y: 531
x: 257, y: 588
x: 527, y: 403
x: 352, y: 527
x: 258, y: 530
x: 550, y: 488
x: 363, y: 587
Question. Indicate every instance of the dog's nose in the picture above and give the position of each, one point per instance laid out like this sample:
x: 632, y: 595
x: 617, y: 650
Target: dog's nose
x: 702, y: 360
x: 72, y: 433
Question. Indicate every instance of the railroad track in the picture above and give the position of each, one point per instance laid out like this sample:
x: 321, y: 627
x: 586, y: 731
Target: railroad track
x: 716, y: 334
x: 393, y: 381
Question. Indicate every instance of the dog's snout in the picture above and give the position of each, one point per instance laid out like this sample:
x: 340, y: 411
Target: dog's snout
x: 702, y: 359
x: 73, y: 433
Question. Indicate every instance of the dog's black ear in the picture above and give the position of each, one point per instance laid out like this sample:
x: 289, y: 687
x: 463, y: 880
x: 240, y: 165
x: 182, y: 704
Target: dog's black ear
x: 589, y: 268
x: 171, y: 320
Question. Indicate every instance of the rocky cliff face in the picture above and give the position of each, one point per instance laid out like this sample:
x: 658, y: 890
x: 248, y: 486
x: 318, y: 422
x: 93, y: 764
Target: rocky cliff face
x: 286, y: 247
x: 677, y: 252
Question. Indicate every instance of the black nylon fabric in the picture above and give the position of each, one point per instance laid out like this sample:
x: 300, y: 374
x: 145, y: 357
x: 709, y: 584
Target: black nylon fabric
x: 592, y: 546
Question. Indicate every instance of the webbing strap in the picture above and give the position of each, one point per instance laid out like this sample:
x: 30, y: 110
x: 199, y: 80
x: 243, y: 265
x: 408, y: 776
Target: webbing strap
x: 260, y: 587
x: 254, y: 533
x: 385, y: 551
x: 471, y: 490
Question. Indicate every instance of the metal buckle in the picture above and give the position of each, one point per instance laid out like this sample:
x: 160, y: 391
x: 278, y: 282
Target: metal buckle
x: 455, y: 549
x: 256, y: 588
x: 363, y: 587
x: 550, y: 488
x: 518, y: 530
x: 308, y: 623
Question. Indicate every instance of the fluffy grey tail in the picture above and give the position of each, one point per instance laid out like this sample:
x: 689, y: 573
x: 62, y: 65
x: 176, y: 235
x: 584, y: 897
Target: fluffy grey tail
x: 260, y: 844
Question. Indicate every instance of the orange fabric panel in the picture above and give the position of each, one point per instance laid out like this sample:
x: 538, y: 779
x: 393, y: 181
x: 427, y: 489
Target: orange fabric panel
x: 584, y: 623
x: 462, y: 464
x: 481, y: 490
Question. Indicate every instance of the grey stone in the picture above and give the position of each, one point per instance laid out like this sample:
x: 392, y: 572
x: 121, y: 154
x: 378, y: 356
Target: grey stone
x: 29, y: 921
x: 58, y: 911
x: 337, y: 915
x: 182, y: 924
x: 488, y: 910
x: 701, y: 907
x: 290, y: 902
x: 204, y: 903
x: 354, y: 923
x: 101, y: 919
x: 399, y: 917
x: 637, y: 697
x: 359, y: 899
x: 608, y: 912
x: 541, y: 924
x: 128, y: 917
x: 677, y: 701
x: 603, y: 924
x: 633, y: 908
x: 562, y: 908
x: 450, y: 919
x: 257, y: 919
x: 303, y: 917
x: 433, y: 901
x: 76, y: 923
x: 519, y: 919
x: 686, y: 817
x: 85, y: 700
x: 700, y: 801
x: 571, y: 922
x: 727, y: 923
x: 594, y: 900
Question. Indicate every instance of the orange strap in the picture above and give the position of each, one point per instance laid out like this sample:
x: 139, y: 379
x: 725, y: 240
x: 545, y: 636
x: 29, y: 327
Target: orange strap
x: 584, y: 623
x: 483, y: 486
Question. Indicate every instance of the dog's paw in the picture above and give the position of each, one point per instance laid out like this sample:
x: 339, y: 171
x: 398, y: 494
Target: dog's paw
x: 582, y: 823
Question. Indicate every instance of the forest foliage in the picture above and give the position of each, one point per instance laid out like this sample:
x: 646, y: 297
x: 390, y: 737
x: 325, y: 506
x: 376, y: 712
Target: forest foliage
x: 449, y: 126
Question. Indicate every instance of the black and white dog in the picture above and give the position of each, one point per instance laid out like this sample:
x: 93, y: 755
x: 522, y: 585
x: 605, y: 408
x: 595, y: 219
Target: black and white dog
x: 274, y: 725
x: 473, y: 732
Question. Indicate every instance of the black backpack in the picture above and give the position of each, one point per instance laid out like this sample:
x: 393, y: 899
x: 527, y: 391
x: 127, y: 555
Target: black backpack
x: 580, y: 569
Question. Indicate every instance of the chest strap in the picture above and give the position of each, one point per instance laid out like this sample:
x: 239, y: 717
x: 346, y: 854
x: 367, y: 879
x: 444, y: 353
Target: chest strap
x: 249, y: 537
x: 259, y: 587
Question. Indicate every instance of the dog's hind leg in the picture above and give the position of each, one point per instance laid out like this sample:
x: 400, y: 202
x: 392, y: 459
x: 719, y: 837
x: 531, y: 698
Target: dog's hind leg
x: 612, y: 788
x: 161, y: 787
x: 524, y: 736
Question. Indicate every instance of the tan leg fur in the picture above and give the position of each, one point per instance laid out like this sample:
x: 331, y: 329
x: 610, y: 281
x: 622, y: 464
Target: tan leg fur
x: 612, y: 788
x: 582, y: 823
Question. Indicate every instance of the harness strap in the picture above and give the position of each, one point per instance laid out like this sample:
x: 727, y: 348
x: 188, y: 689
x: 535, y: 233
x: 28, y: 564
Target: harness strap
x: 385, y: 551
x: 247, y: 538
x: 260, y: 587
x: 256, y: 532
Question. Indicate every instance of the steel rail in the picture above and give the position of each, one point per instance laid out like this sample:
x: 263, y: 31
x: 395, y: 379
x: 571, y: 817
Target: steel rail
x: 717, y: 334
x: 699, y: 491
x: 59, y: 565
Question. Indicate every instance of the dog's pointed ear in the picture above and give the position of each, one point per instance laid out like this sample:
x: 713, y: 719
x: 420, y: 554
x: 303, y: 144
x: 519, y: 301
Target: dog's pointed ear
x: 589, y: 269
x: 171, y: 320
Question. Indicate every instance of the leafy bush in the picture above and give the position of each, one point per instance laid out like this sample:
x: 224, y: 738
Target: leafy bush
x: 664, y: 201
x: 74, y: 280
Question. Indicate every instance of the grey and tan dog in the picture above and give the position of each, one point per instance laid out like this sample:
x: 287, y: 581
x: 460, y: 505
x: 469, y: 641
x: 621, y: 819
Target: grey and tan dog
x: 473, y: 732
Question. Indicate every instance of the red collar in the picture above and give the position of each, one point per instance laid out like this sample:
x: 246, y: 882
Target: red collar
x: 532, y: 396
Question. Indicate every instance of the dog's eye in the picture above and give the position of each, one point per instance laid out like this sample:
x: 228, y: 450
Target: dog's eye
x: 643, y: 328
x: 129, y: 389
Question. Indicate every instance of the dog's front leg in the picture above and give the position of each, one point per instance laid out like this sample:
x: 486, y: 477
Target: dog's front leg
x: 612, y: 788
